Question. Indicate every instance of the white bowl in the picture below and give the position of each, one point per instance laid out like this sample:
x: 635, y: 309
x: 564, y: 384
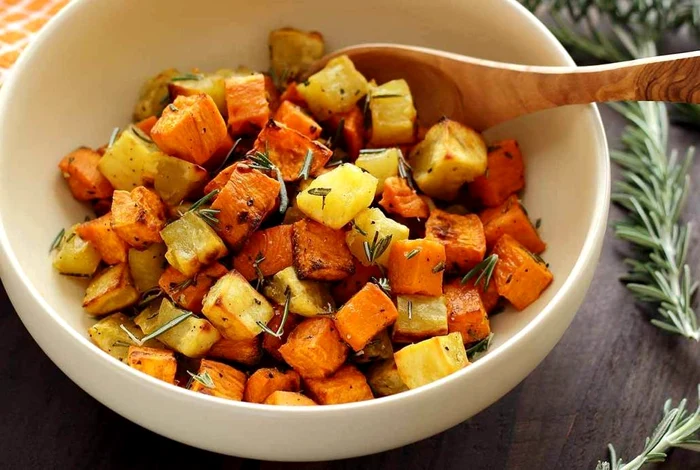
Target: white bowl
x: 80, y: 78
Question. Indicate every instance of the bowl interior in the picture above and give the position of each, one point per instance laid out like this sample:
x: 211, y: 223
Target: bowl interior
x: 73, y: 89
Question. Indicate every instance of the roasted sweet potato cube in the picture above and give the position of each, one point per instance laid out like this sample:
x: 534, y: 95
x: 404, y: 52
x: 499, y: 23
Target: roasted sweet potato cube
x: 244, y: 351
x: 520, y: 276
x: 462, y: 236
x: 320, y: 252
x: 189, y: 292
x: 85, y: 181
x: 219, y: 380
x: 295, y: 118
x: 287, y: 149
x: 265, y: 381
x: 314, y: 348
x: 99, y: 232
x: 247, y: 198
x: 138, y: 216
x: 466, y: 314
x: 158, y: 363
x: 190, y: 128
x: 416, y: 267
x: 353, y: 132
x: 511, y: 218
x: 271, y: 344
x: 291, y: 93
x: 246, y: 100
x: 266, y: 253
x: 288, y: 399
x: 220, y: 180
x: 347, y: 385
x: 504, y: 176
x: 489, y: 297
x: 146, y: 125
x: 351, y: 285
x: 366, y: 314
x: 398, y: 198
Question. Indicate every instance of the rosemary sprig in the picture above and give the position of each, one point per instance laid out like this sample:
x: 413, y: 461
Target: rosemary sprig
x: 210, y: 216
x: 138, y: 133
x: 484, y: 270
x: 186, y: 77
x: 377, y: 248
x: 204, y: 378
x: 480, y: 348
x: 57, y: 241
x: 113, y: 137
x: 409, y: 308
x: 173, y: 108
x: 171, y: 324
x: 383, y: 284
x: 323, y: 192
x: 677, y: 429
x: 306, y: 167
x: 412, y: 253
x: 358, y: 229
x: 149, y: 295
x: 285, y: 313
x: 439, y: 267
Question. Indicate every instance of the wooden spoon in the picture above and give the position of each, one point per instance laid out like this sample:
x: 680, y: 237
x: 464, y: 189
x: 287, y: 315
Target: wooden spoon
x: 483, y: 93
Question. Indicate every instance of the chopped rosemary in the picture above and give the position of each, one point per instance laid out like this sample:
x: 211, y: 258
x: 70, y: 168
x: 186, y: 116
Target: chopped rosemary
x: 388, y: 95
x: 137, y: 132
x: 172, y: 323
x: 323, y: 192
x: 306, y: 167
x: 358, y: 229
x: 477, y: 350
x: 113, y: 137
x: 186, y: 77
x: 375, y: 250
x: 383, y: 284
x: 484, y: 269
x: 335, y: 140
x: 285, y: 313
x: 181, y: 286
x: 412, y: 253
x: 259, y: 258
x: 371, y: 151
x: 56, y: 243
x: 120, y: 343
x: 538, y: 223
x: 409, y: 307
x: 210, y: 216
x: 439, y: 267
x: 405, y: 170
x: 328, y: 311
x: 204, y: 378
x: 224, y: 164
x: 149, y: 295
x: 204, y: 200
x: 173, y: 108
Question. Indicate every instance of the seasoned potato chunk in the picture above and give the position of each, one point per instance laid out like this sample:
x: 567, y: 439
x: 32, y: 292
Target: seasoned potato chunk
x: 466, y: 314
x: 158, y: 363
x: 451, y: 155
x: 307, y: 298
x: 462, y: 236
x: 131, y: 161
x: 510, y: 218
x: 314, y: 348
x: 177, y: 179
x: 235, y: 308
x: 138, y: 217
x: 85, y: 181
x: 211, y: 84
x: 368, y: 223
x: 153, y: 96
x: 430, y: 360
x: 74, y: 256
x: 380, y: 163
x: 147, y: 266
x: 365, y: 315
x: 218, y: 380
x: 110, y: 290
x: 320, y: 252
x: 295, y: 118
x: 419, y: 317
x: 108, y: 335
x: 393, y: 114
x: 191, y: 243
x: 245, y: 351
x: 505, y: 175
x: 378, y: 348
x: 384, y: 380
x: 282, y: 398
x: 292, y: 51
x: 263, y: 382
x: 112, y: 248
x: 416, y: 267
x: 265, y: 253
x: 336, y: 197
x: 347, y: 385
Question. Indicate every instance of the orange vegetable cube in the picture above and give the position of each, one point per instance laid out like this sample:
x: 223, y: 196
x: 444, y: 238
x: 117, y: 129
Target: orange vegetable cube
x: 146, y: 125
x: 416, y: 267
x: 272, y: 248
x: 353, y: 130
x: 246, y: 101
x: 466, y: 314
x: 85, y: 181
x: 138, y: 216
x: 112, y: 248
x: 505, y: 174
x: 189, y: 292
x: 158, y: 363
x: 287, y: 149
x: 489, y: 297
x: 289, y: 399
x: 190, y: 128
x: 345, y: 386
x: 271, y: 344
x: 244, y: 351
x: 219, y: 380
x: 351, y: 285
x: 247, y: 198
x: 366, y: 314
x: 320, y: 252
x: 398, y: 198
x: 295, y: 118
x: 291, y: 93
x: 221, y: 153
x: 263, y: 382
x: 520, y: 276
x: 314, y: 348
x: 462, y: 235
x: 220, y: 180
x: 510, y: 218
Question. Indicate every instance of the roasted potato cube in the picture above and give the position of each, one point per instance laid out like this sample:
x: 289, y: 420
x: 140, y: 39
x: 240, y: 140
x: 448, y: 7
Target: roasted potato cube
x: 466, y: 314
x: 147, y: 266
x: 236, y: 308
x: 462, y: 236
x: 153, y: 96
x: 307, y: 298
x: 245, y: 351
x: 416, y: 267
x: 393, y: 114
x: 295, y: 118
x: 451, y: 155
x: 110, y: 290
x: 378, y: 348
x: 138, y: 217
x: 314, y: 348
x: 85, y: 181
x: 177, y: 179
x: 158, y: 363
x: 263, y: 382
x: 419, y: 317
x: 380, y: 163
x: 366, y: 225
x: 320, y: 252
x: 365, y: 315
x: 131, y: 161
x: 430, y: 360
x: 271, y: 344
x: 282, y: 398
x: 292, y: 51
x: 384, y: 380
x: 74, y: 256
x: 266, y: 252
x: 186, y: 292
x: 347, y: 385
x: 218, y: 380
x: 336, y: 197
x: 209, y: 84
x: 505, y: 174
x: 191, y: 243
x: 108, y: 335
x: 334, y: 89
x: 511, y: 218
x: 246, y: 101
x: 192, y: 337
x: 112, y: 248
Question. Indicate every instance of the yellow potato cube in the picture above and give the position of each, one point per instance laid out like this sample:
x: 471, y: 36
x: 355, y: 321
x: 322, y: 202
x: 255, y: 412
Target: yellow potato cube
x: 365, y: 225
x: 177, y: 179
x: 430, y: 360
x: 74, y: 256
x: 381, y: 163
x: 384, y: 380
x: 393, y: 114
x: 210, y: 84
x: 147, y: 265
x: 426, y: 317
x: 293, y: 51
x: 110, y: 290
x: 131, y: 161
x: 108, y: 335
x: 307, y: 298
x: 192, y: 244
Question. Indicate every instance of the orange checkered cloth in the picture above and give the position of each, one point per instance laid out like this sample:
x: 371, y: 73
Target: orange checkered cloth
x: 20, y: 20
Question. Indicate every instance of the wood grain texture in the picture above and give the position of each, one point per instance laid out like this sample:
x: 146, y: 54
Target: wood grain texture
x: 604, y: 382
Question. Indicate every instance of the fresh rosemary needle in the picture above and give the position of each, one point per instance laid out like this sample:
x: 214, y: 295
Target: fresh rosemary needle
x: 204, y: 378
x: 285, y: 313
x: 172, y: 323
x: 484, y: 270
x: 306, y: 167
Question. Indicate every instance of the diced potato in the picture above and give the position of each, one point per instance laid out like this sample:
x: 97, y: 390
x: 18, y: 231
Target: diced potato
x: 384, y: 380
x: 131, y: 161
x: 219, y: 380
x: 365, y: 225
x: 451, y: 155
x: 192, y: 337
x: 293, y: 51
x: 430, y: 360
x: 108, y: 335
x: 177, y: 179
x: 74, y: 256
x: 336, y: 197
x: 381, y: 163
x: 210, y: 84
x: 334, y: 89
x: 419, y: 317
x: 153, y: 96
x: 191, y: 243
x: 236, y: 308
x: 157, y: 363
x: 110, y: 290
x: 379, y: 348
x: 146, y: 266
x: 307, y: 298
x: 393, y: 114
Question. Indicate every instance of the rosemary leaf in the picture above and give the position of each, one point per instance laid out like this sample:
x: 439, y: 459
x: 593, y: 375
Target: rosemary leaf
x: 285, y: 313
x: 57, y: 241
x: 186, y: 77
x: 306, y: 167
x: 483, y: 271
x: 412, y: 253
x: 172, y: 323
x: 204, y: 378
x: 113, y: 137
x: 478, y: 350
